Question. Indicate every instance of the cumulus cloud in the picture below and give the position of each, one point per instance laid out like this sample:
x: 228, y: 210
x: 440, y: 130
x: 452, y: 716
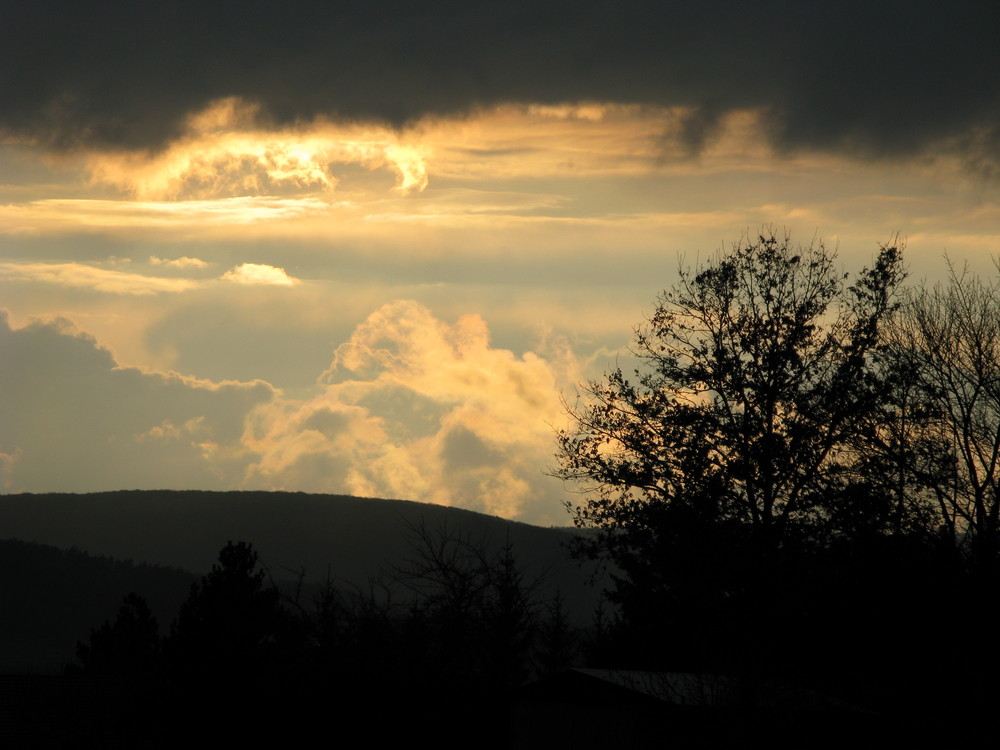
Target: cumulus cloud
x: 418, y: 408
x: 72, y: 419
x: 877, y: 78
x: 256, y: 274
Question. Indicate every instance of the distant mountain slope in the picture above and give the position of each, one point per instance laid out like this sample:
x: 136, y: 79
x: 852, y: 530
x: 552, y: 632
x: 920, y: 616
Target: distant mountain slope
x: 349, y: 538
x: 52, y: 598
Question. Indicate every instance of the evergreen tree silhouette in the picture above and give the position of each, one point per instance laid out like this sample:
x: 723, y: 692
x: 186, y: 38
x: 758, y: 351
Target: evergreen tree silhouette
x: 229, y: 643
x: 128, y: 647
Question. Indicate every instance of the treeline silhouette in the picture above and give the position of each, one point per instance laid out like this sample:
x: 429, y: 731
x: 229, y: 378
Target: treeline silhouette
x: 53, y: 596
x: 352, y: 536
x: 444, y: 642
x: 439, y: 642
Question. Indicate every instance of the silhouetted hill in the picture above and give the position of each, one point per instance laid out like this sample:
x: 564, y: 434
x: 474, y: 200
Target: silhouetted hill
x: 350, y: 539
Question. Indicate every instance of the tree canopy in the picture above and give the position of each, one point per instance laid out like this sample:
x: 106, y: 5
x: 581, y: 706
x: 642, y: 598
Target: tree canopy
x: 947, y: 344
x: 758, y: 370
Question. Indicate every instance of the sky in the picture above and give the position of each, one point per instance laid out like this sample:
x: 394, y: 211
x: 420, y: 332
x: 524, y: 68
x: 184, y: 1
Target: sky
x: 375, y: 247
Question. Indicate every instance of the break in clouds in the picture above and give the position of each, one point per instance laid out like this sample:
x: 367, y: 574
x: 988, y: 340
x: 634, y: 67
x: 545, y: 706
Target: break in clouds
x: 409, y: 407
x: 882, y: 79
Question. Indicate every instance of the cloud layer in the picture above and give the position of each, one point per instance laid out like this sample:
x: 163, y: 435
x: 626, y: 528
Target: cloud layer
x: 877, y: 78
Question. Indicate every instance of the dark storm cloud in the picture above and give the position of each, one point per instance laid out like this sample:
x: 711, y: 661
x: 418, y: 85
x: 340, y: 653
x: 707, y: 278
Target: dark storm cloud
x: 875, y: 78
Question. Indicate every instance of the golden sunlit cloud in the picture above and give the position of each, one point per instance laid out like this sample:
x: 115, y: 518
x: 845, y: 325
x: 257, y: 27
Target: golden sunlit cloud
x: 182, y: 262
x: 588, y: 140
x: 229, y: 176
x: 81, y: 275
x: 224, y: 154
x: 259, y: 274
x: 110, y: 281
x: 416, y: 407
x: 75, y: 215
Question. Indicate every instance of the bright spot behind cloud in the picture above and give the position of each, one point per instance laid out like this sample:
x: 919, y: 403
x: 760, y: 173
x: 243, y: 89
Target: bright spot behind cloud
x: 259, y: 274
x: 225, y: 154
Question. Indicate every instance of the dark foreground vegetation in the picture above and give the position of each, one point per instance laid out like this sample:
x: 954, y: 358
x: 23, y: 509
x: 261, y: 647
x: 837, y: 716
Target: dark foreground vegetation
x: 50, y: 598
x: 243, y: 661
x: 801, y: 480
x: 796, y: 493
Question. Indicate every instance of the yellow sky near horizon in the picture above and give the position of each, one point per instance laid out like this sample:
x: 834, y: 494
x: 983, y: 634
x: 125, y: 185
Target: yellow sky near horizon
x: 513, y: 248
